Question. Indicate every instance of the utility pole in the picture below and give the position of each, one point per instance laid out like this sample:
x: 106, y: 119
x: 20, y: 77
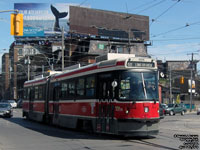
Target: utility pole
x: 63, y: 64
x: 191, y: 82
x: 28, y: 67
x: 170, y: 83
x: 192, y: 66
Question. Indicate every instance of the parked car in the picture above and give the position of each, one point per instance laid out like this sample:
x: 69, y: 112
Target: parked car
x: 6, y: 110
x: 176, y: 108
x: 161, y: 111
x: 13, y: 103
x: 198, y: 110
x: 164, y: 106
x: 19, y: 103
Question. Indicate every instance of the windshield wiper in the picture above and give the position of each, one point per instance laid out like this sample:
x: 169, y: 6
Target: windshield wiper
x: 144, y: 88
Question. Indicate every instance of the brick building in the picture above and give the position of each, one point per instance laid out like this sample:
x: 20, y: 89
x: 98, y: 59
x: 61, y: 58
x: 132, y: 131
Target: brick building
x: 5, y: 76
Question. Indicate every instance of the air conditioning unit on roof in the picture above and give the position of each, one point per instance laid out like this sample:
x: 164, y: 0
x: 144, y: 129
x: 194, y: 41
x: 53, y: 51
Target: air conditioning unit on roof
x: 110, y: 56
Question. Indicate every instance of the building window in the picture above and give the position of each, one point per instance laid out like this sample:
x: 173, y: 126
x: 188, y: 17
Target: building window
x: 20, y: 52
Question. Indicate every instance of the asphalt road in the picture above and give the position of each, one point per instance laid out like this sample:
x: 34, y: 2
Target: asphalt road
x: 20, y: 134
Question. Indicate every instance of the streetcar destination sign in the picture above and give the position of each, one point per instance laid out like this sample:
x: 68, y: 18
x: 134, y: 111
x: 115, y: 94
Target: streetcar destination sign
x: 140, y: 64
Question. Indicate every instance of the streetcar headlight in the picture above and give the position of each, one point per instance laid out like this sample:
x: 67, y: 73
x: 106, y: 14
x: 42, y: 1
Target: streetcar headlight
x: 127, y: 111
x: 146, y: 109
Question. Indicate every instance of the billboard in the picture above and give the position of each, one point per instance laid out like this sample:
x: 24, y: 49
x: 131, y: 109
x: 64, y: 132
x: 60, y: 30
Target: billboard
x: 108, y: 23
x: 42, y: 19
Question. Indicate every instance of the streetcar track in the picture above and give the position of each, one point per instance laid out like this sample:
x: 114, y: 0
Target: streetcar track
x: 142, y: 142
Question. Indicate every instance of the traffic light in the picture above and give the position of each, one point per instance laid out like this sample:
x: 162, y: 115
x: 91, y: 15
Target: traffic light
x: 16, y: 24
x: 182, y: 80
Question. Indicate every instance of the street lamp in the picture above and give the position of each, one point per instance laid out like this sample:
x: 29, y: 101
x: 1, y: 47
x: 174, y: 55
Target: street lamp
x: 27, y: 74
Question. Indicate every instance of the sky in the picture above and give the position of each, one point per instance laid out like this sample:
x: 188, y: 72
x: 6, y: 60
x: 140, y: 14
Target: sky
x: 174, y: 24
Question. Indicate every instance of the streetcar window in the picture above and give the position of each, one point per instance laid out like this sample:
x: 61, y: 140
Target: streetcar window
x: 80, y: 87
x: 120, y: 49
x: 90, y: 86
x: 125, y: 89
x: 150, y: 81
x: 40, y: 92
x: 138, y: 86
x: 64, y: 90
x: 25, y: 93
x: 36, y: 92
x: 71, y: 88
x: 28, y: 93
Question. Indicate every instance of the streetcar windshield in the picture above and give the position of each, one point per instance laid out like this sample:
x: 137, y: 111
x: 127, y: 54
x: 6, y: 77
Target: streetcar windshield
x: 138, y: 86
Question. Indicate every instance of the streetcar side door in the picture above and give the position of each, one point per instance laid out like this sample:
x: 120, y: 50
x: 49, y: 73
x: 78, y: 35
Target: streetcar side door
x: 56, y: 93
x: 31, y: 98
x: 105, y: 104
x: 46, y: 97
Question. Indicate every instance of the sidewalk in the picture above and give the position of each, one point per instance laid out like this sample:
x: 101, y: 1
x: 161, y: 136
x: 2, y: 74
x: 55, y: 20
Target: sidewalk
x: 192, y: 112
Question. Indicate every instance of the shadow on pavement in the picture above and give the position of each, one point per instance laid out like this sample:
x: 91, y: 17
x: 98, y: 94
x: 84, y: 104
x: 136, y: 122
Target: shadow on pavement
x: 66, y: 133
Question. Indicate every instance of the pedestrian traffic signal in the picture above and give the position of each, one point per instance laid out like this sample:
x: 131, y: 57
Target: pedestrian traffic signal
x: 182, y: 80
x: 16, y: 24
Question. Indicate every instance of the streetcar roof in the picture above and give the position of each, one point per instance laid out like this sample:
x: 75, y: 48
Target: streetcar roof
x: 103, y: 66
x: 35, y: 81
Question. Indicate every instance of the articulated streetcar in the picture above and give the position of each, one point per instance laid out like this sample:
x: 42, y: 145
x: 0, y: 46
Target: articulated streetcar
x: 116, y: 96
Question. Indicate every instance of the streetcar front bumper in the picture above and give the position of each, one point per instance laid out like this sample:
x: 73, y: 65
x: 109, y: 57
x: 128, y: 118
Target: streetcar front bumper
x: 138, y: 127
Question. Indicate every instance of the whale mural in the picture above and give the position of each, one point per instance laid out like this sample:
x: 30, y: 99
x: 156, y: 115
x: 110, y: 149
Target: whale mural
x: 57, y: 15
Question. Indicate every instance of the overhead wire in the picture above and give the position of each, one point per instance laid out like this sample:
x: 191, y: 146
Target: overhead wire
x: 151, y: 6
x: 177, y: 39
x: 142, y: 5
x: 176, y: 29
x: 153, y: 20
x: 83, y: 2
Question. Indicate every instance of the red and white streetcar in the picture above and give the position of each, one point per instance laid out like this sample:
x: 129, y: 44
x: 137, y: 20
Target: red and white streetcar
x: 115, y: 96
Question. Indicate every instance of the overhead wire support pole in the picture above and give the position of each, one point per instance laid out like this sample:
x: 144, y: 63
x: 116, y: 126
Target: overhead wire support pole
x: 28, y: 67
x: 191, y: 87
x: 170, y: 83
x: 192, y: 67
x: 63, y: 65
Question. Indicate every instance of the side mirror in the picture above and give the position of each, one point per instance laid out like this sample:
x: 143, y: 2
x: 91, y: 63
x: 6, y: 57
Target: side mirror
x: 114, y: 84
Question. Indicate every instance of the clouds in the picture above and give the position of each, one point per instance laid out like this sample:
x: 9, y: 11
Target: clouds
x: 174, y: 51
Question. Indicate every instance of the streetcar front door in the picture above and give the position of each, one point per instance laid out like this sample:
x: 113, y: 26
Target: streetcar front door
x: 105, y: 104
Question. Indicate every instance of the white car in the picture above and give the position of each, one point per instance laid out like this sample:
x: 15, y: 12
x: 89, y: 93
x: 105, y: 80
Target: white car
x: 12, y: 103
x: 198, y: 110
